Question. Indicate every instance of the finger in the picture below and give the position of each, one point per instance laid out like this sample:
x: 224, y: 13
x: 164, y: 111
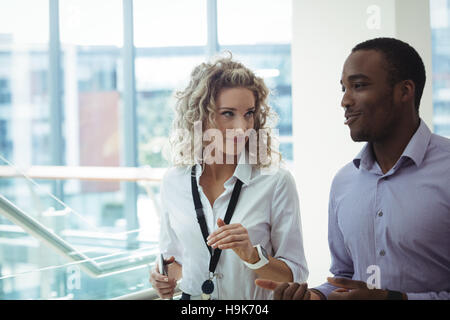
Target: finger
x: 220, y: 222
x: 267, y: 284
x: 229, y: 239
x: 278, y: 292
x: 159, y: 277
x: 233, y: 245
x: 342, y: 290
x: 338, y: 295
x: 225, y: 233
x: 170, y: 260
x: 300, y: 293
x: 346, y: 283
x: 289, y: 292
x: 307, y: 295
x: 163, y: 286
x: 166, y: 291
x: 224, y: 228
x: 167, y: 294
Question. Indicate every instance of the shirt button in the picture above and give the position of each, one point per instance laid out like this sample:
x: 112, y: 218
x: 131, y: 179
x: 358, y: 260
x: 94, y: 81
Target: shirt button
x: 380, y: 213
x: 382, y: 253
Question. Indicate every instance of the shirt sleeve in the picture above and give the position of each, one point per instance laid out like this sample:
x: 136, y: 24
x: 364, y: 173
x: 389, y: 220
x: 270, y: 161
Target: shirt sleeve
x: 169, y: 244
x: 443, y: 295
x: 341, y: 261
x: 286, y: 229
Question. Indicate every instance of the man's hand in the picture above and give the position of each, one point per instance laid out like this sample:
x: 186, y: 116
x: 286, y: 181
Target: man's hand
x: 354, y: 290
x: 288, y: 290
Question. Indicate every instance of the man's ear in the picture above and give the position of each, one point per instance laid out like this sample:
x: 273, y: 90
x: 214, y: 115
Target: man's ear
x: 407, y: 88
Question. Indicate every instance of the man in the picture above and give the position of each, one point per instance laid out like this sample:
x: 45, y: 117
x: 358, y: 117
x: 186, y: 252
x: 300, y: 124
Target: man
x: 389, y: 209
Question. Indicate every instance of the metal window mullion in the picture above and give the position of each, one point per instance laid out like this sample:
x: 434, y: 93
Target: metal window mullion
x: 55, y: 92
x: 212, y: 45
x: 129, y: 125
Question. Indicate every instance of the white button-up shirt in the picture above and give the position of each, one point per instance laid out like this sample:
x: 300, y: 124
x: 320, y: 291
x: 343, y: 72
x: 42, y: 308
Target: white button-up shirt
x: 268, y: 208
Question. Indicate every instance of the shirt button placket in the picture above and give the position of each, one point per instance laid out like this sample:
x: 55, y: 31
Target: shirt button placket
x: 378, y: 221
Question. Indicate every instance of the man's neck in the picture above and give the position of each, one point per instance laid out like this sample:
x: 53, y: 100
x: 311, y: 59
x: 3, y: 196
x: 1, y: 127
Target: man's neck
x: 388, y: 151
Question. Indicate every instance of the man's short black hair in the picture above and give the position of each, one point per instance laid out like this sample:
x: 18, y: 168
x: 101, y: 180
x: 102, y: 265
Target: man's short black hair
x: 404, y: 62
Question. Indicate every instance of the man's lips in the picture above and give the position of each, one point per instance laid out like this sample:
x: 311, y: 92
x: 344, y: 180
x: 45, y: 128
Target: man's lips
x: 351, y: 117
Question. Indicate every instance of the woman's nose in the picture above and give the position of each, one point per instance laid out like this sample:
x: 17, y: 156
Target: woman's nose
x: 241, y: 125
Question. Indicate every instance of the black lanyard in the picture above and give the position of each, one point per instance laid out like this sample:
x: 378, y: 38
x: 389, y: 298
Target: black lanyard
x: 201, y: 216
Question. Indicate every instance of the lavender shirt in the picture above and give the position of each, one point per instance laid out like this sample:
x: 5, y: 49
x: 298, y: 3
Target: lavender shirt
x: 396, y: 223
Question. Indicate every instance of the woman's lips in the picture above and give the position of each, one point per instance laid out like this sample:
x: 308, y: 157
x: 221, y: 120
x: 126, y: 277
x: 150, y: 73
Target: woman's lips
x: 237, y: 140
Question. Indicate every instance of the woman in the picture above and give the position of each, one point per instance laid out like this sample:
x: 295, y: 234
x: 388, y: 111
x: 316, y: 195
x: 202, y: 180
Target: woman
x: 226, y: 177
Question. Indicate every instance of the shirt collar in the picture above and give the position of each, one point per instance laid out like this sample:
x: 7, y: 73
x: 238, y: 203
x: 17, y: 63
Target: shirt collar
x: 243, y: 169
x: 415, y: 150
x: 242, y: 172
x: 417, y: 146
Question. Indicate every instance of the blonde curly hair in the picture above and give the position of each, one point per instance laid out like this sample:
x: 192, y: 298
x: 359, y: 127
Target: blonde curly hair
x: 197, y: 102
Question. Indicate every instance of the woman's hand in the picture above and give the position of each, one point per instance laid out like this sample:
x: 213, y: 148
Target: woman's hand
x: 164, y: 285
x: 233, y: 236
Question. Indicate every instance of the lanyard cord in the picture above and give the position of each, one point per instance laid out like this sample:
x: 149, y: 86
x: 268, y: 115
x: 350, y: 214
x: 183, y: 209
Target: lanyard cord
x: 201, y: 216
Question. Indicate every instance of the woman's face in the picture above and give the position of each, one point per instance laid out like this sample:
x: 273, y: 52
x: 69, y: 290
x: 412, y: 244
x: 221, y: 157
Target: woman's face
x: 235, y: 114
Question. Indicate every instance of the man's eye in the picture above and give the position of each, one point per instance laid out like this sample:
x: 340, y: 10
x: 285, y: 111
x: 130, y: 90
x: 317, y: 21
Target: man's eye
x: 358, y: 85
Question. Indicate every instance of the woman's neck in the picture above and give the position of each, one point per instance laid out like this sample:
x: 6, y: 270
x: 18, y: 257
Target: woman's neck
x: 219, y: 172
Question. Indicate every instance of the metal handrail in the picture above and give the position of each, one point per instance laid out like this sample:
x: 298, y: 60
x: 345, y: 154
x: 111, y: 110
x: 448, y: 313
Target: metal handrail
x: 62, y: 247
x: 148, y: 294
x: 86, y: 173
x: 46, y: 235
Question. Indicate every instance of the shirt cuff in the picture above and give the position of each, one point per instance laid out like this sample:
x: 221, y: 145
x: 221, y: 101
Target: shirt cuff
x: 299, y: 273
x: 326, y: 288
x: 443, y: 295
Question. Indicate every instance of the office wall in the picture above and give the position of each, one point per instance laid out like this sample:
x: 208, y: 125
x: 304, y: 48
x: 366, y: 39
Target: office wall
x: 324, y: 32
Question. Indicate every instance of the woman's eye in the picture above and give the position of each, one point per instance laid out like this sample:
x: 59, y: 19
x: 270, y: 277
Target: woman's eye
x: 228, y: 114
x: 250, y: 113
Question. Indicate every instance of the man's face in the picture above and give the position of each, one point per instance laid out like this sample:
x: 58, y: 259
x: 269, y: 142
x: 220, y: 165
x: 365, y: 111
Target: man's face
x: 370, y: 108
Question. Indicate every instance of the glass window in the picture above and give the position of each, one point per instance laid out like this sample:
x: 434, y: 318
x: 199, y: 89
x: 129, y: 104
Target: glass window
x: 24, y: 119
x: 91, y: 37
x: 90, y: 220
x: 440, y: 32
x: 258, y: 33
x: 159, y: 23
x: 254, y: 21
x: 158, y: 76
x: 91, y: 34
x: 24, y: 99
x: 66, y: 254
x: 170, y: 37
x: 86, y: 23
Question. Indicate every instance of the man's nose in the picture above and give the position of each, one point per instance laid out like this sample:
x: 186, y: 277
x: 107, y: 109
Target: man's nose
x: 347, y: 99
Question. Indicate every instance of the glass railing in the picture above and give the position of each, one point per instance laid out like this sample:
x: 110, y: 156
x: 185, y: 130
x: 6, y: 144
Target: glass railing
x: 79, y: 248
